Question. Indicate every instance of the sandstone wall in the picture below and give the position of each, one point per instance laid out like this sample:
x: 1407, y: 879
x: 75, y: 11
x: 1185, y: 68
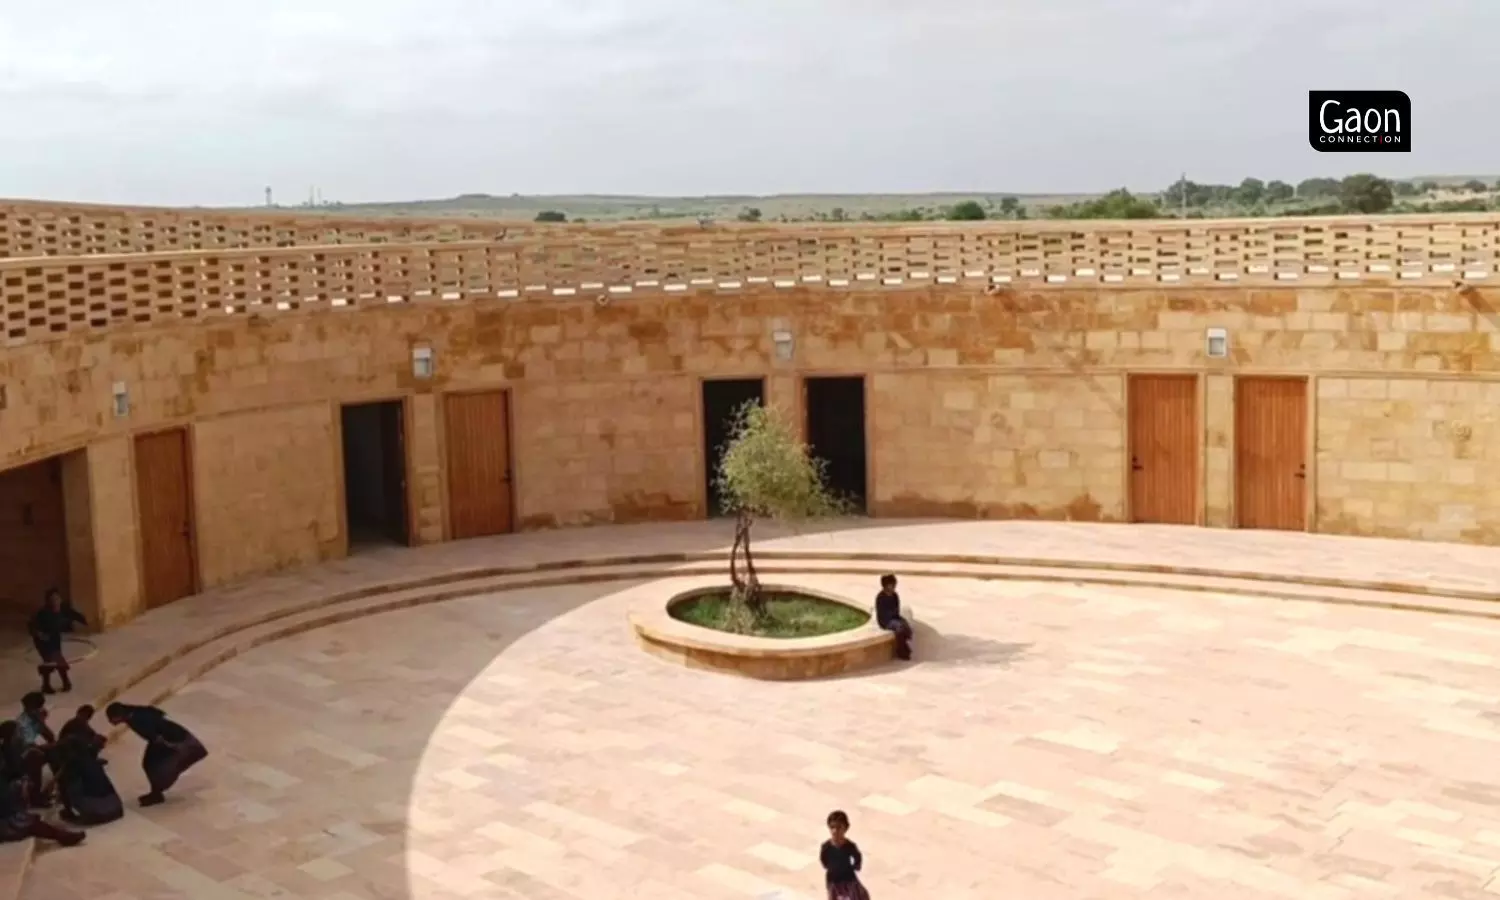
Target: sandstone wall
x: 989, y: 403
x: 613, y: 451
x: 1005, y: 446
x: 1409, y: 457
x: 267, y: 491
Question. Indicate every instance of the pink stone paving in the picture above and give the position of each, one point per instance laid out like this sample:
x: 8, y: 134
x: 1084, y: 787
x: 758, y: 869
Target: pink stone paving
x: 1055, y: 740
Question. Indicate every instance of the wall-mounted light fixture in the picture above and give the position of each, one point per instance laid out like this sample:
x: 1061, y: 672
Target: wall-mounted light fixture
x: 121, y: 399
x: 421, y: 362
x: 1218, y: 343
x: 782, y: 339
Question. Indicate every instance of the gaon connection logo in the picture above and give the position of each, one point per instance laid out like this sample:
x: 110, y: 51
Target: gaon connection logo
x: 1359, y: 121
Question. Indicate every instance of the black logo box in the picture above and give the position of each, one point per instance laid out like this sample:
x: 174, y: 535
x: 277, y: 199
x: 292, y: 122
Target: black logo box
x: 1359, y: 121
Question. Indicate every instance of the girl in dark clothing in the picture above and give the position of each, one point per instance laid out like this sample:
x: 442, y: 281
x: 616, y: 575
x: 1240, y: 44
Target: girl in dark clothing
x: 81, y: 728
x: 87, y: 794
x: 170, y: 748
x: 11, y: 767
x: 888, y: 616
x: 842, y: 861
x: 18, y: 823
x: 47, y: 627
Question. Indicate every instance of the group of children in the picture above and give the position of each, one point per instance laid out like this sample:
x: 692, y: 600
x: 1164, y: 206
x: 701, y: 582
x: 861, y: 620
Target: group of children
x: 86, y: 796
x: 79, y: 787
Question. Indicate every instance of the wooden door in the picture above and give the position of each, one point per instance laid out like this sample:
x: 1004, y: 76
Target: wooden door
x: 479, y: 487
x: 1163, y: 433
x: 164, y: 502
x: 1270, y: 453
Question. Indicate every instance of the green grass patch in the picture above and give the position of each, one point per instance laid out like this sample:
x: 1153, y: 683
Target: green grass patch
x: 787, y: 615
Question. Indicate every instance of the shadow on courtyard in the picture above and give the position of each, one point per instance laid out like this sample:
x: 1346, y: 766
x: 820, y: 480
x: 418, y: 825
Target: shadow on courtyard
x: 963, y: 651
x: 936, y: 650
x: 417, y: 694
x: 363, y: 803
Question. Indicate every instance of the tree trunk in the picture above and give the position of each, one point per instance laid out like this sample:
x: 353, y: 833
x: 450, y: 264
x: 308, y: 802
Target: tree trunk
x: 749, y: 586
x: 734, y: 559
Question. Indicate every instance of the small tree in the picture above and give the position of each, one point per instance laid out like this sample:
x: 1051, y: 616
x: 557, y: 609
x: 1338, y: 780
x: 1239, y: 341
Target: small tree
x: 1365, y: 193
x: 766, y: 472
x: 1279, y: 192
x: 551, y: 215
x: 1250, y: 192
x: 967, y: 211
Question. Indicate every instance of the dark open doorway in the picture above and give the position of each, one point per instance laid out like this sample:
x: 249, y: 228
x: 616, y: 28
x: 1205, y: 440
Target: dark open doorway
x: 33, y: 539
x: 375, y: 473
x: 836, y: 433
x: 721, y: 400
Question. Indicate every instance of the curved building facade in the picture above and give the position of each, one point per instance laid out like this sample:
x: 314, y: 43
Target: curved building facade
x: 183, y: 403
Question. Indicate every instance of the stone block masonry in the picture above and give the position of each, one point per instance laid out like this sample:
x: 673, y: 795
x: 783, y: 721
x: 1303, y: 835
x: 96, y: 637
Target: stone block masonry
x: 997, y: 402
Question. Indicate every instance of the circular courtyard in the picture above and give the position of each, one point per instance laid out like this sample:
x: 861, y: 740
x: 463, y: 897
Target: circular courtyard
x: 1058, y: 739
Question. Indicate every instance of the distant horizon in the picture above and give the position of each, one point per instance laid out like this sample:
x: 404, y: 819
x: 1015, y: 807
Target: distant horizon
x: 300, y: 202
x: 935, y: 193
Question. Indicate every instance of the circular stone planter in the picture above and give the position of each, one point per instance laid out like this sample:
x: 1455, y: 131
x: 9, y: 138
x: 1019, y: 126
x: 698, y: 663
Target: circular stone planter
x: 765, y: 658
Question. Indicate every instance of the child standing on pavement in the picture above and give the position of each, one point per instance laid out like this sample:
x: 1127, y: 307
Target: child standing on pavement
x: 842, y: 860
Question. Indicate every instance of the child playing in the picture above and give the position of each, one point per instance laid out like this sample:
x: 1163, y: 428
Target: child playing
x: 55, y: 619
x: 842, y: 861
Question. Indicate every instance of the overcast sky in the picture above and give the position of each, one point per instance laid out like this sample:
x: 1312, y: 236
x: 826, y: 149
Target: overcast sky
x: 209, y: 101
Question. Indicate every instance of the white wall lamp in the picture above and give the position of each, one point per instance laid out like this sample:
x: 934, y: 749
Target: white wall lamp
x: 1218, y: 343
x: 121, y: 396
x: 421, y: 362
x: 782, y: 339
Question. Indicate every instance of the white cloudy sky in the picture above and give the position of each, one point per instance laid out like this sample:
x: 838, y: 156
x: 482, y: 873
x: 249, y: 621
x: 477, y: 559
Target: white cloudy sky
x: 208, y: 101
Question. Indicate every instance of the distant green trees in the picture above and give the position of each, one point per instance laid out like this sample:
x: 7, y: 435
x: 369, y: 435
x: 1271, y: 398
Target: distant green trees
x: 1361, y: 193
x: 967, y: 211
x: 1250, y: 192
x: 1365, y: 193
x: 1117, y: 204
x: 1318, y: 188
x: 1279, y: 192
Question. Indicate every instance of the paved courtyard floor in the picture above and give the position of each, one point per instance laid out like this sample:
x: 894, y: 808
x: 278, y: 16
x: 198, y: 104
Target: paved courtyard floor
x: 1053, y: 741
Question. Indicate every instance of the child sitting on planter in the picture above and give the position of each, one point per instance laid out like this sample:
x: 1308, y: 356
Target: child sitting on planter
x: 888, y: 616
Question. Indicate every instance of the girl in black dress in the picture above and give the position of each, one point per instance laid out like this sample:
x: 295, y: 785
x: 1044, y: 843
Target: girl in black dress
x: 170, y: 748
x: 87, y: 794
x: 55, y: 619
x: 842, y: 861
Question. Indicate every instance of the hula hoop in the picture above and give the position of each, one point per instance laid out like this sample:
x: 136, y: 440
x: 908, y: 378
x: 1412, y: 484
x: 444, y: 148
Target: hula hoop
x: 89, y: 648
